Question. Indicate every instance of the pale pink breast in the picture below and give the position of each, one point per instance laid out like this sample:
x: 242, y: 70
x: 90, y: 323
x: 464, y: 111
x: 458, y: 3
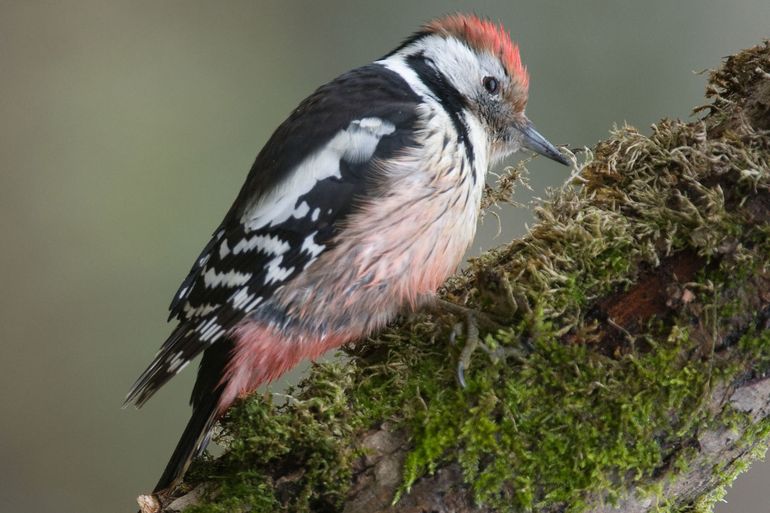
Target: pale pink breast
x: 393, y: 252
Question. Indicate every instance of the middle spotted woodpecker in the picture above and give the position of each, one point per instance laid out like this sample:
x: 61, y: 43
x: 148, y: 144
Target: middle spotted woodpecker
x: 361, y: 203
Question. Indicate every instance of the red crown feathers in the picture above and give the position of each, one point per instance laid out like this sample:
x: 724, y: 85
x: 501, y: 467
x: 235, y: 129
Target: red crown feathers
x: 483, y: 35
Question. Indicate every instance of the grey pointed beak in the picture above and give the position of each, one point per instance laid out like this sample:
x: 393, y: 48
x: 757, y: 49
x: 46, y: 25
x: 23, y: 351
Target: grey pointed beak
x: 533, y: 141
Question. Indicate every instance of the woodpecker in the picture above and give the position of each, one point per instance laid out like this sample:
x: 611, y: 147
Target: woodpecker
x: 361, y: 204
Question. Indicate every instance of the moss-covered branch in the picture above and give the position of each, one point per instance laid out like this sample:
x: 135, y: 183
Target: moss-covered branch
x: 643, y: 292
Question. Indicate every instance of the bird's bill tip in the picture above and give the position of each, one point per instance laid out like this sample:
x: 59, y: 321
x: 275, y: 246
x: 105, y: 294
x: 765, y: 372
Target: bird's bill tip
x: 533, y: 141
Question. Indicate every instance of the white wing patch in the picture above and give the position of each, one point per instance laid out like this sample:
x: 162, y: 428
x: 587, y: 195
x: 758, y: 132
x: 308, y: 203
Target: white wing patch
x: 276, y: 273
x: 228, y: 279
x: 199, y: 311
x: 224, y: 250
x: 269, y: 244
x: 177, y: 363
x: 243, y: 300
x: 210, y: 330
x: 355, y: 144
x: 310, y: 247
x: 241, y: 297
x: 251, y: 306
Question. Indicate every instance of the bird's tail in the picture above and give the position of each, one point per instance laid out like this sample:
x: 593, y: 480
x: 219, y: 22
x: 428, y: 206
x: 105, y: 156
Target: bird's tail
x: 205, y: 400
x: 194, y: 440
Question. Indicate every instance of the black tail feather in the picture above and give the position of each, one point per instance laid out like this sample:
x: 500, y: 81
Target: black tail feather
x: 181, y: 347
x: 193, y: 442
x: 205, y: 402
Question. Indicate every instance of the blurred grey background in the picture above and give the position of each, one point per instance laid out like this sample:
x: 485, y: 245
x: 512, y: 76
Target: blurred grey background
x: 126, y: 129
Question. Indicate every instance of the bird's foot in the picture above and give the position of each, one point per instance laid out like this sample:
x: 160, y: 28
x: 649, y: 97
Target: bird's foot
x: 473, y: 342
x: 481, y: 319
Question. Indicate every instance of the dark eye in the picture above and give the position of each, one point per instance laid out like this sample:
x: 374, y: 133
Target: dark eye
x: 491, y: 85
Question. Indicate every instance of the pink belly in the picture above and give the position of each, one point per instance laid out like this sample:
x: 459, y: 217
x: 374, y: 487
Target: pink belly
x: 263, y: 353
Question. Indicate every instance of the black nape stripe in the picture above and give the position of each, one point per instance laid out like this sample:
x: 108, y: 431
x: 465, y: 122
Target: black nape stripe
x: 409, y: 41
x: 450, y: 98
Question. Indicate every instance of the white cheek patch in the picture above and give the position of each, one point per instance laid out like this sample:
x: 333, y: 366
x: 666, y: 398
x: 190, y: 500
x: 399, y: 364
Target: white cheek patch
x: 455, y: 59
x: 458, y: 64
x: 356, y: 144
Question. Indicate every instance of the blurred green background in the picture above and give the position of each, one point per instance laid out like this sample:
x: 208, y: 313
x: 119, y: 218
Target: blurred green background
x: 126, y: 128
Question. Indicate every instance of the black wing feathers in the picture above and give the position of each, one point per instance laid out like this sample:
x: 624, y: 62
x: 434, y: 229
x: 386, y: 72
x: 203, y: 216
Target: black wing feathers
x: 177, y: 303
x: 240, y: 267
x: 368, y: 91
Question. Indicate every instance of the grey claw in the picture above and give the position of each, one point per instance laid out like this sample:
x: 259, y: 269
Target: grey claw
x: 461, y: 375
x: 456, y: 331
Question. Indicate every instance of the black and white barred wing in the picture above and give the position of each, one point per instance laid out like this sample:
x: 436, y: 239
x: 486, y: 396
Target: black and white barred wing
x: 273, y: 234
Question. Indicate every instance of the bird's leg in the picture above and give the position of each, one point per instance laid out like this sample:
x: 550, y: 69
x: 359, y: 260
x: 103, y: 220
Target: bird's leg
x: 472, y: 320
x: 483, y: 320
x: 472, y: 342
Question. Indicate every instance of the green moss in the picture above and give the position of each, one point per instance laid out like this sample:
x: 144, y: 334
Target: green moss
x: 568, y: 423
x: 756, y: 345
x: 756, y: 436
x: 301, y: 437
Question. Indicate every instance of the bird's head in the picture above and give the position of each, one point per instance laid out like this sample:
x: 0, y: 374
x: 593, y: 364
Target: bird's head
x: 471, y: 65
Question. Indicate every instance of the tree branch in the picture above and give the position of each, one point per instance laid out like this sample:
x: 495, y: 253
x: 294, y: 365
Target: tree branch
x: 642, y: 297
